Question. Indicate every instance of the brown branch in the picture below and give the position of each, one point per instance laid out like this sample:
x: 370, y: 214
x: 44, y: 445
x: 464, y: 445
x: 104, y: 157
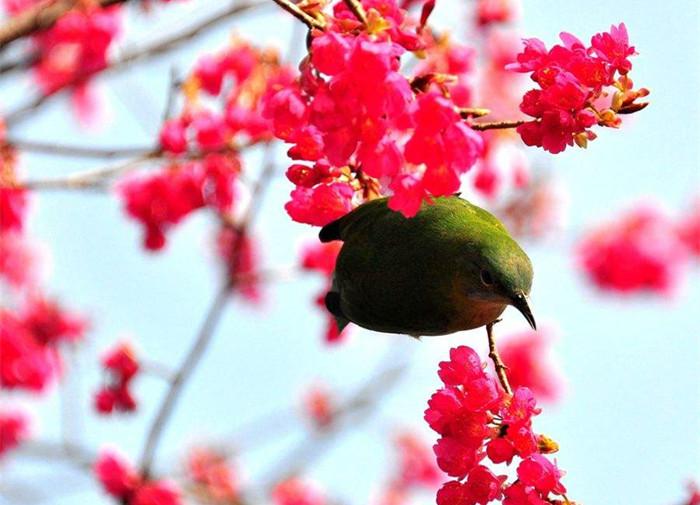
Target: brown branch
x: 39, y: 17
x: 497, y: 125
x: 496, y: 358
x: 357, y: 10
x: 302, y: 16
x: 183, y: 372
x: 137, y: 55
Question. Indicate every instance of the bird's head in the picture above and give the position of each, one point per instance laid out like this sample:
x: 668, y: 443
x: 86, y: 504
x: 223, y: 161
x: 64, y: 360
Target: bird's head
x: 501, y: 272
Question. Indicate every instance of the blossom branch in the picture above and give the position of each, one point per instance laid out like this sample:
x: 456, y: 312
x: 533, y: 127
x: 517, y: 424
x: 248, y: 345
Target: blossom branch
x: 302, y: 16
x: 498, y: 364
x: 180, y: 377
x: 39, y: 17
x: 139, y: 55
x: 497, y: 125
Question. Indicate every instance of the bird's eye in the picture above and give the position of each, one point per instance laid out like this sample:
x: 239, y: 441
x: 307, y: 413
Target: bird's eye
x: 486, y: 277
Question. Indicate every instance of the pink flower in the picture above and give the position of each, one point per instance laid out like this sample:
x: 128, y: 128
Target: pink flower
x: 162, y: 492
x: 121, y: 366
x: 296, y: 492
x: 541, y: 473
x: 18, y: 261
x: 215, y: 474
x: 575, y: 88
x: 241, y: 257
x: 490, y: 12
x: 173, y: 137
x: 13, y: 208
x: 319, y: 406
x: 320, y: 205
x: 49, y: 323
x: 24, y: 364
x: 320, y: 256
x: 14, y: 428
x: 639, y: 252
x: 689, y: 228
x: 526, y: 356
x: 116, y: 475
x: 416, y: 467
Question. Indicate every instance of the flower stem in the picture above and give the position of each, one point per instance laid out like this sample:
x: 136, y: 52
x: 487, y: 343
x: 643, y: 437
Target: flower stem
x: 497, y: 125
x: 356, y: 7
x: 496, y: 358
x: 302, y: 16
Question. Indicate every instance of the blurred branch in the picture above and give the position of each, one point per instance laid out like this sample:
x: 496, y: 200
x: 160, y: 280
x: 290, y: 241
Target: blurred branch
x: 184, y: 371
x: 88, y: 179
x: 31, y: 146
x: 76, y: 455
x: 140, y: 54
x: 39, y: 17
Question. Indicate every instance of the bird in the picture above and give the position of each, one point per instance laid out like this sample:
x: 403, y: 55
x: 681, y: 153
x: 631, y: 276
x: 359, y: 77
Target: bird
x: 451, y: 267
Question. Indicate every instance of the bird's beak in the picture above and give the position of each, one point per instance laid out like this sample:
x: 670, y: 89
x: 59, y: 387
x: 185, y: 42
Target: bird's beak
x: 521, y: 303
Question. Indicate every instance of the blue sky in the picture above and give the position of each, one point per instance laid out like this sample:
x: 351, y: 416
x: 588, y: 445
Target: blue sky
x: 628, y: 426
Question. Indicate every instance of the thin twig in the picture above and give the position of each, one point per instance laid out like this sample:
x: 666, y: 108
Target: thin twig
x: 88, y: 179
x: 496, y: 358
x: 497, y: 125
x: 183, y: 372
x: 302, y: 16
x: 55, y: 149
x: 357, y: 10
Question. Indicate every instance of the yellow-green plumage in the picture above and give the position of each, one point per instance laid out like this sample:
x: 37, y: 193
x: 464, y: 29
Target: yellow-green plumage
x: 452, y: 267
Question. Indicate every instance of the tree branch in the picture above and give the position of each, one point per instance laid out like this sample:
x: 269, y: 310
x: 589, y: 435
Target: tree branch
x: 183, y: 372
x: 141, y: 54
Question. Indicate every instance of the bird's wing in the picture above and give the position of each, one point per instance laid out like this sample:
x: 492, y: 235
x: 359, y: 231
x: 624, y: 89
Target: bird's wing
x: 365, y: 213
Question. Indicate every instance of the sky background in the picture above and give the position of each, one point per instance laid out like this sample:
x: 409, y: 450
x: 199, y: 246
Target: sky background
x: 628, y: 426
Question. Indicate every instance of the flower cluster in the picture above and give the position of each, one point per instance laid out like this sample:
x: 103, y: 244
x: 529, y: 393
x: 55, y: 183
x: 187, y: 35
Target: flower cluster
x: 579, y: 86
x: 414, y: 469
x: 164, y: 198
x: 120, y: 480
x: 640, y: 252
x: 14, y: 427
x: 477, y: 420
x: 357, y: 123
x: 29, y: 340
x: 73, y: 50
x: 214, y: 476
x: 241, y: 258
x: 120, y: 367
x: 297, y: 492
x: 490, y: 12
x: 243, y: 79
x: 321, y: 258
x: 527, y: 356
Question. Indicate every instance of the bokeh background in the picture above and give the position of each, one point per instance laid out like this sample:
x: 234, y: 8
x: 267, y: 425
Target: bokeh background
x: 628, y: 425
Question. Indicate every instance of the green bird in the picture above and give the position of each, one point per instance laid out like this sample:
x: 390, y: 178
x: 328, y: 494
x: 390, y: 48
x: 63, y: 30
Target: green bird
x: 452, y: 267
